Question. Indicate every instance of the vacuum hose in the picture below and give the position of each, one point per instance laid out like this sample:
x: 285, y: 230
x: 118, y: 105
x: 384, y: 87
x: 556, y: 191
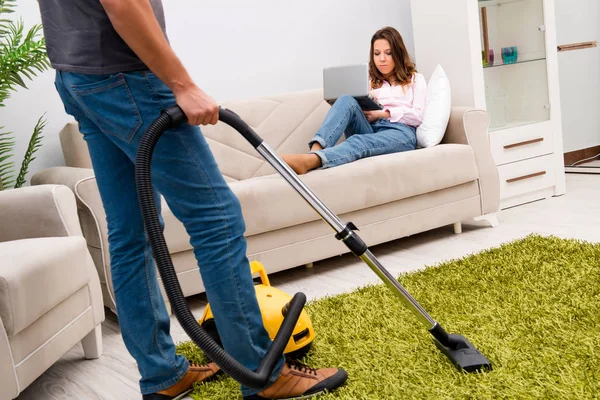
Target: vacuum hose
x: 254, y: 379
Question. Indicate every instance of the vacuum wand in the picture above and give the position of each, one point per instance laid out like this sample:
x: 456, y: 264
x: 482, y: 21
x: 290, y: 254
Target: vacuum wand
x: 457, y: 348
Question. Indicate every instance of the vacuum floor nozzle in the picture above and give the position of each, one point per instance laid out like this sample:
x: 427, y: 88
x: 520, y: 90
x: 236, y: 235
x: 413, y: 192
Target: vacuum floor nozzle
x: 464, y: 355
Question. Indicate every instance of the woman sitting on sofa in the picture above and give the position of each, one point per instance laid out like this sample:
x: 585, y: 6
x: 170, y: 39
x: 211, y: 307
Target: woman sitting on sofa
x: 398, y: 88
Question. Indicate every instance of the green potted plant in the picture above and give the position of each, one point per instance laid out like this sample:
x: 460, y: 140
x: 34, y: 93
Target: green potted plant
x: 22, y: 56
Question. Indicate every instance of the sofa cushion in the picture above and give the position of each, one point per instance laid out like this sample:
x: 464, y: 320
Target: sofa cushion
x: 437, y: 109
x: 286, y: 121
x: 270, y: 203
x: 38, y: 274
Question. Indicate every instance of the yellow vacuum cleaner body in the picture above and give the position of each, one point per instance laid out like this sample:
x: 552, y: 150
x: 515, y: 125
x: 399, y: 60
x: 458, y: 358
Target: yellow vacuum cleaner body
x: 273, y: 306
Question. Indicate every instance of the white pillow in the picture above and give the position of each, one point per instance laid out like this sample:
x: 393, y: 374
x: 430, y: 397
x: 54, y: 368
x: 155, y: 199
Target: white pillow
x: 437, y: 110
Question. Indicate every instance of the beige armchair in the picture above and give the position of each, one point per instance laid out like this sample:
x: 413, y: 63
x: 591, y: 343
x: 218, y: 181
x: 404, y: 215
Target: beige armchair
x: 50, y: 297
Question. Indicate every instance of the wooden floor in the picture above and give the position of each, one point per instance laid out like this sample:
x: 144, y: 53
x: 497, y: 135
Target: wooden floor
x: 114, y: 375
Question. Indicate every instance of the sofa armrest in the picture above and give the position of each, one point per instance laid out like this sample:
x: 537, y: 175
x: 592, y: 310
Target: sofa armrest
x: 39, y: 275
x: 68, y: 176
x: 8, y: 375
x: 470, y: 126
x: 38, y: 211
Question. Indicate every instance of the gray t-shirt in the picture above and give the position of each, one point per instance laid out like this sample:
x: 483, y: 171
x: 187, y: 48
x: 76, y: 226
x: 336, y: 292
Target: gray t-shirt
x: 80, y: 37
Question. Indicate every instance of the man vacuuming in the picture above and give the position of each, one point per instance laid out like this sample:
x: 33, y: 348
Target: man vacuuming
x: 115, y: 72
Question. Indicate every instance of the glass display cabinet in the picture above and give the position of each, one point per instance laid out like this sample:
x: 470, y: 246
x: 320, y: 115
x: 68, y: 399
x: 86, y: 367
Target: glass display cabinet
x: 501, y: 56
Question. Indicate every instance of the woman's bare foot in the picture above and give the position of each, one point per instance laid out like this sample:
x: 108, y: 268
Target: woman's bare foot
x: 302, y: 163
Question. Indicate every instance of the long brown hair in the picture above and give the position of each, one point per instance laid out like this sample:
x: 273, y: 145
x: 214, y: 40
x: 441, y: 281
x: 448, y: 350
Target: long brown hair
x: 404, y: 66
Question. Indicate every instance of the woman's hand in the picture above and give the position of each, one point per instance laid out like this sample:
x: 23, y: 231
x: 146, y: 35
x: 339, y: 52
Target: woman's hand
x: 373, y: 116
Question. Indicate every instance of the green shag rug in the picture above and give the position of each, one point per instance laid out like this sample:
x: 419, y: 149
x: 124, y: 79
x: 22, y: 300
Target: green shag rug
x: 531, y: 306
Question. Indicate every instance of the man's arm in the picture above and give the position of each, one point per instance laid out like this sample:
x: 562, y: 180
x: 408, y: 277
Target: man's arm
x: 135, y: 22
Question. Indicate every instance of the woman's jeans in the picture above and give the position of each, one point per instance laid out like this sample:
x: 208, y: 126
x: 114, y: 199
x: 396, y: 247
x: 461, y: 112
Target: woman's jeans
x: 113, y: 112
x: 363, y: 139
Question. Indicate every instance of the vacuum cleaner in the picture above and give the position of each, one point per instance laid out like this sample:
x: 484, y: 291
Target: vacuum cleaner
x: 273, y: 305
x: 462, y: 353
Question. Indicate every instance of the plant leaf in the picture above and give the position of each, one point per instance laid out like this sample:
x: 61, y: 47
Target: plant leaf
x: 7, y: 144
x: 22, y: 56
x: 34, y: 145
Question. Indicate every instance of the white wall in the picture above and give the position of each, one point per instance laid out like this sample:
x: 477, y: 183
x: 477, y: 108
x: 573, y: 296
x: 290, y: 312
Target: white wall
x: 579, y: 72
x: 450, y: 45
x: 234, y: 49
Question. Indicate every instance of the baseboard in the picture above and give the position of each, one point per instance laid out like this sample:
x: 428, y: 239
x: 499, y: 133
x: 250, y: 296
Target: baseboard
x: 582, y: 169
x: 575, y: 161
x: 574, y: 156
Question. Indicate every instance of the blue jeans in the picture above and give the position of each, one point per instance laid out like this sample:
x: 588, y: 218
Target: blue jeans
x: 363, y: 139
x: 113, y: 112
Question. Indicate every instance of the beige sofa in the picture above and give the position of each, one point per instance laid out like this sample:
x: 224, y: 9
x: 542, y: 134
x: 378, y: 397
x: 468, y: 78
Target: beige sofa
x: 387, y: 197
x: 50, y: 295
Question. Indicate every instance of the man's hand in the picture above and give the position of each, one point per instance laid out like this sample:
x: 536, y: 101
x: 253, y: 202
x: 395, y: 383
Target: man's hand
x: 136, y: 23
x: 198, y: 107
x: 373, y: 116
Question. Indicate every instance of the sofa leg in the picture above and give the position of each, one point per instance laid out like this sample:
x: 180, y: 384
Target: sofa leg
x: 309, y: 265
x: 458, y: 227
x: 92, y: 343
x: 491, y: 219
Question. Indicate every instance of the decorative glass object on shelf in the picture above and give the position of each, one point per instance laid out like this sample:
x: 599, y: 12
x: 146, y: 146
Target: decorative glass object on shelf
x: 513, y: 56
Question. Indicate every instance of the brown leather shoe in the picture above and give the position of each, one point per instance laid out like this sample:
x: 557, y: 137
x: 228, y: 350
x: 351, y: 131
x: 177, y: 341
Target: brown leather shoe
x: 196, y: 373
x: 297, y: 381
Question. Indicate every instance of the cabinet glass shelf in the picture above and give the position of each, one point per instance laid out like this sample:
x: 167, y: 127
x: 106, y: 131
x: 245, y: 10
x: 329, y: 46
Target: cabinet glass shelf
x: 491, y: 3
x: 502, y: 64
